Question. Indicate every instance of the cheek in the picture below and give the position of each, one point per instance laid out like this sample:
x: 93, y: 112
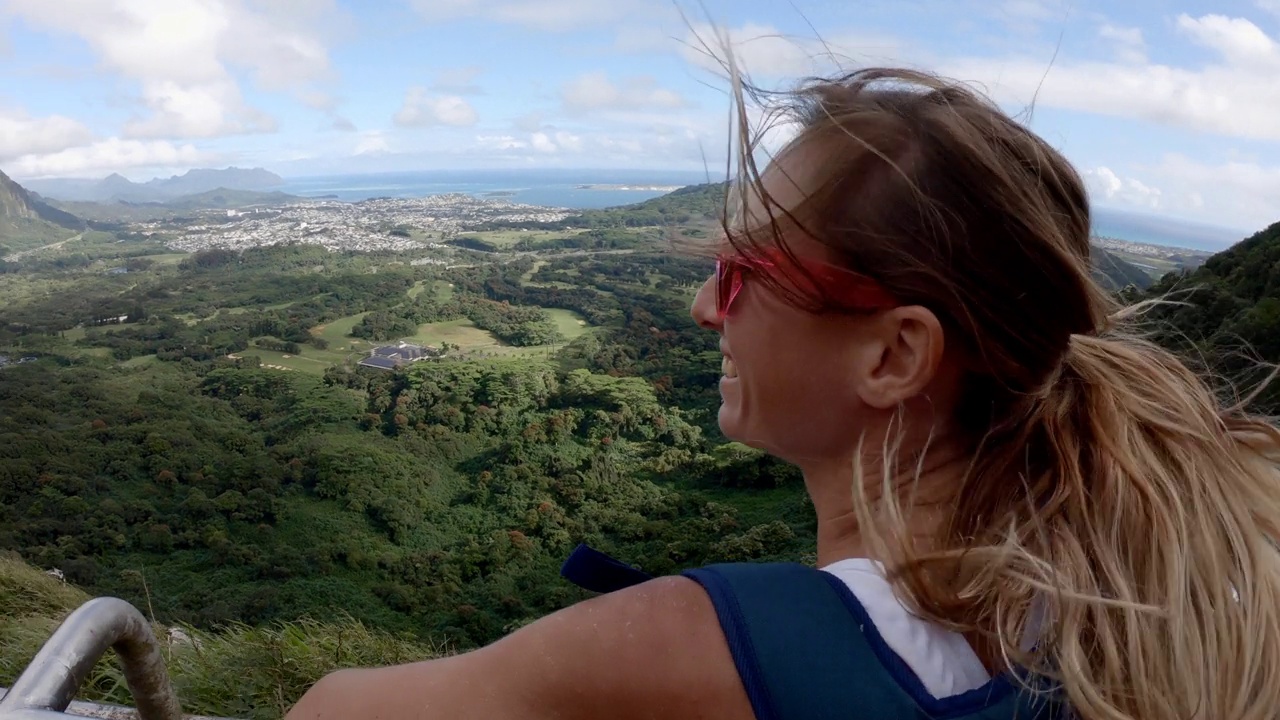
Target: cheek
x: 796, y: 395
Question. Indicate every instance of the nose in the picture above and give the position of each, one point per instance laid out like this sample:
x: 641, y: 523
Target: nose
x: 703, y: 308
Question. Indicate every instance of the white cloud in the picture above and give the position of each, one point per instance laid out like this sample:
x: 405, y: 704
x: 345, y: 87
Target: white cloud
x: 500, y: 142
x: 594, y: 91
x: 180, y: 54
x: 1129, y: 44
x: 196, y: 111
x: 569, y: 142
x: 421, y: 108
x: 1271, y: 6
x: 1104, y: 183
x: 1237, y: 193
x: 109, y: 155
x: 547, y: 15
x: 1234, y: 96
x: 542, y: 142
x: 373, y: 142
x: 1234, y: 93
x: 551, y: 146
x: 21, y: 134
x: 1238, y: 40
x: 762, y: 51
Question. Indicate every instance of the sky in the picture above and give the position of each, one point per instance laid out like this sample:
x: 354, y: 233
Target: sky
x: 1170, y: 107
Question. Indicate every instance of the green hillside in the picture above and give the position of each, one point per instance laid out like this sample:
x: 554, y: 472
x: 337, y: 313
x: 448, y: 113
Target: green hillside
x: 237, y: 671
x: 26, y: 221
x: 692, y: 205
x: 1229, y: 310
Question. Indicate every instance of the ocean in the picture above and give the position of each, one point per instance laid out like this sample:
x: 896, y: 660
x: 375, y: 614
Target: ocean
x: 565, y: 189
x: 1166, y: 231
x: 550, y: 188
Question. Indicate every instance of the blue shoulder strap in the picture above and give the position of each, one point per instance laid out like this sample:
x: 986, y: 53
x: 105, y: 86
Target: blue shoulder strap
x: 806, y: 649
x: 593, y: 570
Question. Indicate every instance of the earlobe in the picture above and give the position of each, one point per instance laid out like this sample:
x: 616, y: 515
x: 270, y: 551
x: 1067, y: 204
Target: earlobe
x: 901, y: 358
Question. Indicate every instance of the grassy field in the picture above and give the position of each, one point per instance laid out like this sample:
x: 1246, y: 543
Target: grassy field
x: 77, y: 333
x: 476, y: 342
x: 462, y: 333
x: 141, y: 361
x: 508, y: 238
x: 278, y: 306
x: 168, y: 258
x: 472, y: 341
x: 311, y: 362
x: 337, y: 331
x: 570, y: 324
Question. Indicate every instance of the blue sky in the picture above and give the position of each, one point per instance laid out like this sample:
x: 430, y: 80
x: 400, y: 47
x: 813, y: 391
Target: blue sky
x: 1171, y: 107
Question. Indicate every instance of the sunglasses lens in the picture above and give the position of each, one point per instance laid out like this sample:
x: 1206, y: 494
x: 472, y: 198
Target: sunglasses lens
x: 721, y: 293
x: 727, y: 280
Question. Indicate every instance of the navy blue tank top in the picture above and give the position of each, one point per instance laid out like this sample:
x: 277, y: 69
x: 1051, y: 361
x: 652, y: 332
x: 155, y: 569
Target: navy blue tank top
x: 806, y: 649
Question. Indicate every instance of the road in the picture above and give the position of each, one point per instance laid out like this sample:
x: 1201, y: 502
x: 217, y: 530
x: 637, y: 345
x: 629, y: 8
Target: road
x: 52, y: 246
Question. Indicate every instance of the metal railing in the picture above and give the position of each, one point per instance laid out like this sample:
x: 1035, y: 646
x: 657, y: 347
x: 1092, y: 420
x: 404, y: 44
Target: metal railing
x: 46, y: 688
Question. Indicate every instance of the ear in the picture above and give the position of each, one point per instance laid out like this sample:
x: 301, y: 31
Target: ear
x: 898, y: 357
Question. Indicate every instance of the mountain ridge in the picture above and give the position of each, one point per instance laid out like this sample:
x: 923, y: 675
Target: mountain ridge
x: 26, y: 220
x: 117, y: 188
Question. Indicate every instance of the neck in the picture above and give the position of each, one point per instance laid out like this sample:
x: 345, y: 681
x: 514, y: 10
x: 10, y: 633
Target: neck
x: 926, y: 495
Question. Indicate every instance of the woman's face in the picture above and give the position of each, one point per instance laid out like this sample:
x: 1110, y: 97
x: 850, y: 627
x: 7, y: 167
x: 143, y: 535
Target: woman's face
x: 784, y: 387
x: 789, y: 381
x: 806, y: 387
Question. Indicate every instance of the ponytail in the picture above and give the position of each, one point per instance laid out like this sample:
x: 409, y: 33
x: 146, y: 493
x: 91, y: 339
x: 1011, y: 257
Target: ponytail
x: 1144, y: 527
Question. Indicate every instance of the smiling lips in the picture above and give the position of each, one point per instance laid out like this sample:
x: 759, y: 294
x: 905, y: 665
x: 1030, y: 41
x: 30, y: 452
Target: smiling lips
x: 727, y: 368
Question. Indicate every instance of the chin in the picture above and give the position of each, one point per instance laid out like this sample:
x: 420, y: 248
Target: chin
x: 733, y: 427
x: 731, y: 424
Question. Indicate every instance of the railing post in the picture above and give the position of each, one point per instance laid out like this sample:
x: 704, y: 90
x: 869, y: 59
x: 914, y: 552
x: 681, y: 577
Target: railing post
x: 52, y: 679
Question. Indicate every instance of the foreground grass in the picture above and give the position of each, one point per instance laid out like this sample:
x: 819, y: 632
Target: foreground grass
x: 239, y: 671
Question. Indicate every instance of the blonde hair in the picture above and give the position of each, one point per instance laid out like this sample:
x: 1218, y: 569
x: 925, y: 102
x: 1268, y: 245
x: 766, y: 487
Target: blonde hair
x: 1109, y: 486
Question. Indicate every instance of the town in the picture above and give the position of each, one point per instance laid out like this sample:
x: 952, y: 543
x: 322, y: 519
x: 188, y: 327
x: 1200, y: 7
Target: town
x: 379, y: 224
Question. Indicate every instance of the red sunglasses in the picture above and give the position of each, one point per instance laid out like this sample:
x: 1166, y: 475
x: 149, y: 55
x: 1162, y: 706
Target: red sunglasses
x: 847, y: 289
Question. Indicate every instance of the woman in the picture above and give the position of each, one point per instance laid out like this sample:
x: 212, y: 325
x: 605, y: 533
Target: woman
x: 1021, y: 508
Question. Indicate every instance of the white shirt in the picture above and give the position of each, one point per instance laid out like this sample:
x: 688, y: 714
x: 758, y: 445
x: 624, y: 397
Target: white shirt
x: 943, y: 660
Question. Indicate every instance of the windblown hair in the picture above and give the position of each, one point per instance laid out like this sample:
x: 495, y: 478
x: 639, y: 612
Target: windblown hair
x: 1115, y: 507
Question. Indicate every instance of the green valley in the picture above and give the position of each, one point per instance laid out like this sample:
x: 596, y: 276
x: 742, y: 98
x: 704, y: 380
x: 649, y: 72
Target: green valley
x: 193, y: 432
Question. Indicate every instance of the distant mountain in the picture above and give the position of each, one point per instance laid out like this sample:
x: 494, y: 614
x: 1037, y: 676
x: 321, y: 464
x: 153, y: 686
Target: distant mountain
x: 117, y: 188
x: 26, y: 220
x: 216, y: 199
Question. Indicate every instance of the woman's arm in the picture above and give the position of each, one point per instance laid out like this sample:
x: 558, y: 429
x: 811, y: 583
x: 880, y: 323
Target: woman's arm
x: 651, y: 651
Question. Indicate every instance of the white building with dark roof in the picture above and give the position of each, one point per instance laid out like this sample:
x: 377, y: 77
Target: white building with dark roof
x: 391, y: 357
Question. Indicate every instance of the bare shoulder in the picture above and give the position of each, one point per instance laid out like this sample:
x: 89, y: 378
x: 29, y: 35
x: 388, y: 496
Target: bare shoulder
x: 654, y: 650
x: 650, y: 651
